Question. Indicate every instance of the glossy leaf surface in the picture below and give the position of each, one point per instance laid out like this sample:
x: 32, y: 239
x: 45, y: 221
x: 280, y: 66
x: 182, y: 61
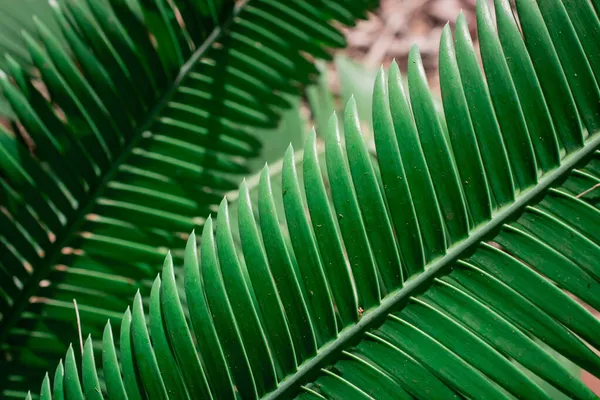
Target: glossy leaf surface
x: 477, y: 307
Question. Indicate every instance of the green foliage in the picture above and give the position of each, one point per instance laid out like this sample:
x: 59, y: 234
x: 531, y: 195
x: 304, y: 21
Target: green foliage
x: 132, y: 120
x: 16, y: 17
x: 442, y: 273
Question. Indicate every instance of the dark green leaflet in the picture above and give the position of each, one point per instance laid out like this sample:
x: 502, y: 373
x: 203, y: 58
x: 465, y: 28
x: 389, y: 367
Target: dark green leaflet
x: 395, y: 184
x: 91, y: 384
x: 112, y: 372
x: 485, y: 123
x: 330, y: 244
x: 72, y: 384
x: 305, y: 249
x: 472, y: 176
x: 353, y: 230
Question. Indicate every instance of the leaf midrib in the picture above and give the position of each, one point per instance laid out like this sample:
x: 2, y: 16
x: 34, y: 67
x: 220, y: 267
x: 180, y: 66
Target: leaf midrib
x: 351, y: 334
x: 41, y: 272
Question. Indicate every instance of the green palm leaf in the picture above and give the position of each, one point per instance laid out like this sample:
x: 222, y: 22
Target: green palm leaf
x: 440, y: 271
x: 130, y: 128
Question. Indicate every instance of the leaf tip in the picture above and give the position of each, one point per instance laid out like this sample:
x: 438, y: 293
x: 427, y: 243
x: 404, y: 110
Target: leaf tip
x: 289, y: 152
x: 191, y: 242
x: 415, y: 54
x: 264, y: 173
x: 223, y: 206
x: 461, y: 20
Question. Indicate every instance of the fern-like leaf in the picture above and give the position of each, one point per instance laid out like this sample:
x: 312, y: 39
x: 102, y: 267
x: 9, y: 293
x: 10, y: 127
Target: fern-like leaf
x: 131, y: 123
x: 439, y: 271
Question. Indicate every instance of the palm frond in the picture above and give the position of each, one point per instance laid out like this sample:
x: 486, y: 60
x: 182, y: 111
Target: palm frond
x: 439, y: 274
x: 129, y: 130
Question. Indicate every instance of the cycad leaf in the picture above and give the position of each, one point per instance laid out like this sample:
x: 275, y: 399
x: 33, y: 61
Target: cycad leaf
x: 491, y: 283
x: 133, y: 119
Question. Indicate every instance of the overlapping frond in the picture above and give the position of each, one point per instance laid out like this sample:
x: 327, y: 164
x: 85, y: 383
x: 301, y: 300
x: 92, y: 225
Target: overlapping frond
x: 439, y: 271
x: 129, y: 130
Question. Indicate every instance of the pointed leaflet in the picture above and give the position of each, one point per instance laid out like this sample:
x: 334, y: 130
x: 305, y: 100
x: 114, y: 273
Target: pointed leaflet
x: 226, y: 327
x: 352, y: 228
x: 130, y: 371
x: 377, y: 223
x: 269, y: 301
x: 327, y: 237
x: 462, y: 135
x: 490, y: 141
x: 305, y: 248
x: 420, y: 186
x: 148, y: 366
x: 551, y: 75
x: 539, y: 121
x: 282, y: 270
x: 506, y: 103
x: 91, y: 384
x: 395, y: 185
x: 211, y: 352
x: 110, y: 364
x: 169, y: 371
x: 438, y: 157
x: 180, y: 336
x: 234, y: 279
x: 72, y: 385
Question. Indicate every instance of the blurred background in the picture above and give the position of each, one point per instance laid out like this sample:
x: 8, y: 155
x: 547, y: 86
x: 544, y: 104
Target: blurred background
x: 399, y: 24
